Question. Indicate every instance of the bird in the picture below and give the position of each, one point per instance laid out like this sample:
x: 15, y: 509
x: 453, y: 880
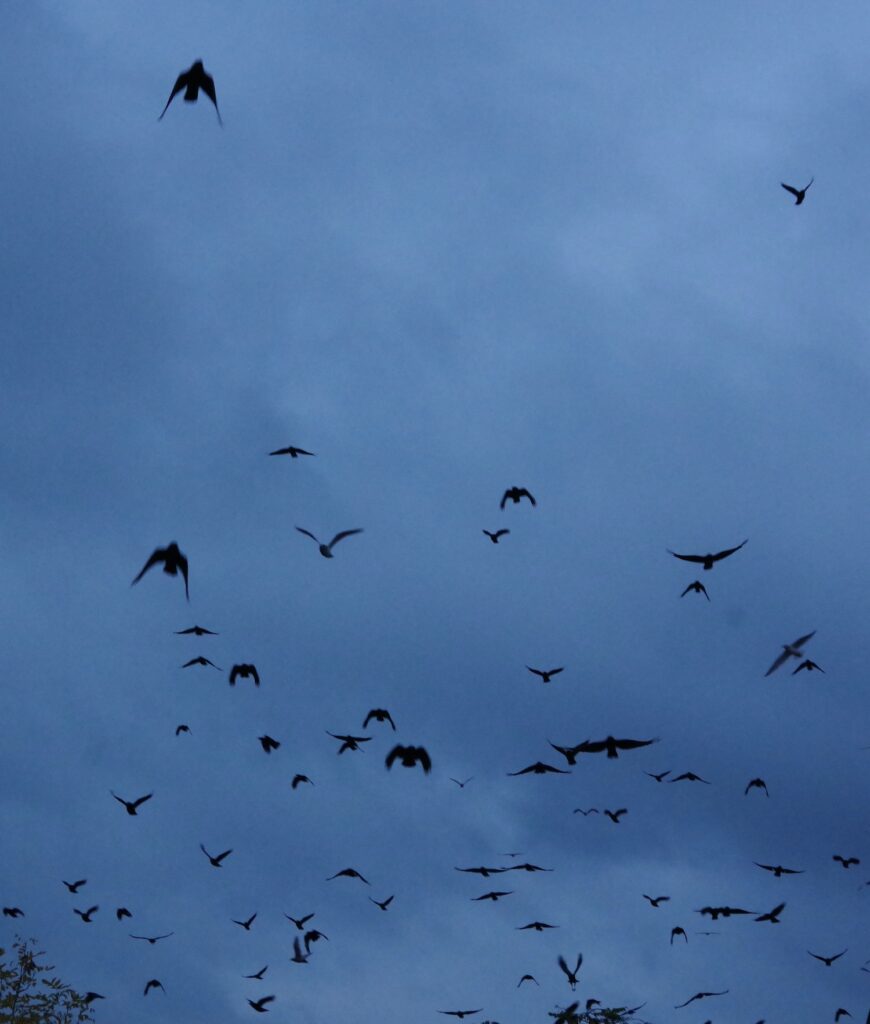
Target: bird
x: 495, y: 896
x: 349, y: 742
x: 462, y: 785
x: 216, y: 862
x: 195, y: 631
x: 586, y: 813
x: 244, y: 672
x: 482, y: 871
x: 716, y: 912
x: 13, y: 912
x: 121, y: 913
x: 326, y: 549
x: 571, y: 975
x: 613, y: 746
x: 698, y: 587
x: 708, y: 560
x: 173, y: 563
x: 616, y: 815
x: 383, y: 904
x: 777, y: 869
x: 569, y: 753
x: 528, y: 977
x: 494, y: 537
x: 772, y: 915
x: 292, y: 451
x: 298, y: 779
x: 152, y: 939
x: 828, y: 960
x: 678, y: 931
x: 546, y: 675
x: 300, y: 922
x: 90, y: 997
x: 700, y: 995
x: 535, y: 926
x: 260, y: 1004
x: 86, y: 915
x: 192, y: 80
x: 798, y: 193
x: 258, y: 976
x: 75, y: 886
x: 846, y: 861
x: 789, y: 651
x: 409, y: 756
x: 756, y: 784
x: 379, y: 715
x: 298, y: 956
x: 179, y: 729
x: 528, y: 867
x: 654, y: 901
x: 348, y: 873
x: 245, y: 924
x: 153, y: 983
x: 460, y: 1013
x: 841, y: 1013
x: 810, y: 666
x: 201, y: 661
x: 132, y: 806
x: 660, y: 776
x: 268, y: 744
x: 540, y: 768
x: 313, y: 936
x: 514, y: 494
x: 689, y: 777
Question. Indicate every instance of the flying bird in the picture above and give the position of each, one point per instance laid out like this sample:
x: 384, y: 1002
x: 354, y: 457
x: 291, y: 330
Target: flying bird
x: 195, y: 631
x: 121, y: 913
x: 173, y: 563
x: 179, y: 729
x: 132, y: 806
x: 268, y: 744
x: 383, y: 904
x: 260, y: 1004
x: 152, y: 939
x: 460, y: 1013
x: 700, y: 995
x: 789, y: 651
x: 89, y: 997
x: 756, y: 784
x: 654, y: 901
x: 13, y: 912
x: 495, y: 536
x: 707, y: 560
x: 326, y: 549
x: 828, y: 960
x: 379, y: 715
x: 613, y: 746
x: 798, y: 193
x: 201, y: 661
x: 153, y: 983
x: 698, y: 587
x: 348, y: 873
x: 245, y: 924
x: 215, y: 861
x: 298, y: 779
x: 258, y: 976
x: 810, y: 666
x: 462, y: 785
x: 86, y: 915
x: 546, y: 675
x: 660, y: 776
x: 716, y: 912
x: 409, y: 756
x: 75, y: 886
x: 689, y: 777
x: 494, y: 896
x: 571, y: 975
x: 244, y: 672
x: 528, y: 867
x: 616, y: 815
x: 514, y: 494
x: 482, y: 871
x: 586, y: 813
x: 298, y: 956
x: 846, y: 861
x: 539, y: 768
x: 535, y: 926
x: 772, y: 915
x: 313, y: 936
x: 528, y: 977
x: 349, y: 742
x: 292, y: 451
x: 301, y: 922
x: 777, y: 869
x: 679, y: 931
x: 192, y: 80
x: 569, y: 753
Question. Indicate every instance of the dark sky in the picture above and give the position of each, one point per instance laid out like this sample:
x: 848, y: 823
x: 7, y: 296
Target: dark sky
x: 451, y: 248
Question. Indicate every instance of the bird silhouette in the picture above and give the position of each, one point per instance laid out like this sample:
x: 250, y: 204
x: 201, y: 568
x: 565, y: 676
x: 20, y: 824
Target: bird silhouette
x: 700, y: 995
x: 244, y: 672
x: 689, y: 777
x: 798, y: 193
x: 569, y: 753
x: 179, y: 729
x: 810, y: 666
x: 540, y: 768
x: 201, y: 661
x: 383, y: 904
x: 708, y: 560
x: 756, y: 784
x: 313, y: 936
x: 121, y: 913
x: 86, y: 915
x: 528, y: 977
x: 613, y: 746
x: 546, y: 675
x: 828, y: 960
x: 216, y: 862
x: 571, y: 975
x: 772, y: 915
x: 268, y: 744
x: 326, y: 549
x: 75, y: 886
x: 258, y: 976
x: 298, y: 956
x: 841, y: 1013
x: 132, y: 806
x: 716, y: 912
x: 462, y: 785
x: 535, y: 926
x: 698, y: 587
x: 494, y: 896
x: 460, y: 1013
x: 13, y: 912
x: 531, y: 868
x: 192, y: 80
x: 300, y: 922
x: 585, y: 813
x: 195, y: 631
x: 298, y: 779
x: 292, y: 451
x: 777, y: 869
x: 349, y: 742
x: 173, y: 563
x: 379, y: 715
x: 246, y: 924
x: 348, y: 873
x: 616, y: 815
x: 90, y: 997
x: 678, y: 931
x: 153, y: 983
x: 789, y: 651
x: 654, y: 901
x: 846, y: 861
x: 260, y: 1004
x: 482, y: 871
x: 660, y: 776
x: 408, y: 757
x: 514, y: 494
x: 152, y: 939
x: 494, y: 537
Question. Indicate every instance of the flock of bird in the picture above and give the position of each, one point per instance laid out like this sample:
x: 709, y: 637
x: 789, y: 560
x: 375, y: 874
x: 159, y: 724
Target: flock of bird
x: 173, y: 562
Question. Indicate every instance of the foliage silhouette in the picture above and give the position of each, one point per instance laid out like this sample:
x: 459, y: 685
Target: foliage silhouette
x: 31, y: 994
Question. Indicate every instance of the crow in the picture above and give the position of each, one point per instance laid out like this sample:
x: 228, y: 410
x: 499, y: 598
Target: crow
x: 292, y: 451
x: 546, y: 675
x: 495, y: 536
x: 75, y: 886
x: 379, y: 715
x: 192, y: 80
x: 195, y: 631
x: 698, y: 587
x: 348, y: 873
x: 613, y: 746
x: 707, y: 560
x: 244, y: 672
x: 409, y: 757
x: 514, y: 494
x: 539, y: 768
x: 132, y: 806
x: 173, y: 563
x: 215, y: 861
x: 326, y: 549
x: 798, y: 193
x: 152, y: 939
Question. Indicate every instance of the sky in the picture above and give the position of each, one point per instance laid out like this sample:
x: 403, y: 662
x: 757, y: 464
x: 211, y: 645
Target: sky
x: 450, y: 248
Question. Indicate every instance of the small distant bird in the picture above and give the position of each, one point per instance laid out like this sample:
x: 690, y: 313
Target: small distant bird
x: 613, y: 746
x: 756, y: 784
x: 298, y: 956
x: 660, y: 776
x: 569, y: 753
x: 482, y: 871
x: 75, y: 886
x: 409, y: 756
x: 326, y: 549
x: 13, y: 912
x: 258, y: 976
x: 591, y: 810
x: 540, y: 768
x: 298, y: 779
x: 215, y: 861
x: 132, y: 806
x: 679, y: 931
x: 514, y: 494
x: 313, y: 936
x: 349, y: 742
x: 616, y: 815
x: 121, y: 913
x: 846, y: 861
x: 89, y: 997
x: 192, y: 80
x: 495, y: 536
x: 383, y: 904
x: 777, y: 869
x: 828, y: 960
x: 379, y: 715
x: 244, y: 672
x: 689, y: 777
x: 201, y: 661
x: 789, y: 651
x: 292, y: 451
x: 152, y: 939
x: 268, y: 744
x: 460, y: 1013
x: 348, y: 873
x: 698, y: 587
x: 841, y: 1013
x: 195, y: 631
x: 179, y: 729
x: 772, y: 915
x: 173, y: 563
x: 301, y: 922
x: 462, y: 785
x: 701, y: 995
x: 528, y: 977
x: 571, y: 975
x: 810, y: 666
x: 528, y: 867
x: 708, y: 560
x: 535, y: 926
x: 716, y: 912
x: 86, y: 915
x: 546, y: 675
x: 494, y: 896
x: 654, y: 901
x: 798, y: 193
x: 260, y: 1004
x: 245, y: 924
x: 153, y: 983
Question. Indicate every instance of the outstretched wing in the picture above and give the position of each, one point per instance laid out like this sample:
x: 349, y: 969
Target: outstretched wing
x: 789, y: 188
x: 504, y: 499
x: 686, y: 558
x: 182, y: 564
x: 424, y: 759
x: 728, y: 551
x: 180, y: 83
x: 779, y: 661
x: 308, y: 533
x: 158, y: 556
x: 528, y: 494
x: 396, y: 752
x: 206, y: 83
x: 138, y: 803
x: 341, y: 536
x: 802, y: 640
x: 632, y: 744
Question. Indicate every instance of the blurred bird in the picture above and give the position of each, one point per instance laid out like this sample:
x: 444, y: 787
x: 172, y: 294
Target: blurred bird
x: 698, y: 587
x: 707, y: 560
x: 86, y: 915
x: 716, y: 912
x: 409, y: 756
x: 181, y: 728
x: 268, y: 744
x: 613, y: 746
x: 349, y: 742
x: 89, y: 997
x: 132, y: 806
x: 326, y: 549
x: 152, y: 939
x: 528, y: 867
x: 192, y: 80
x: 828, y: 960
x: 798, y: 193
x: 348, y: 873
x: 482, y: 871
x: 13, y: 912
x: 195, y: 631
x: 846, y: 861
x: 810, y: 666
x: 215, y: 861
x: 383, y: 904
x: 495, y: 536
x: 301, y: 922
x: 121, y: 913
x: 260, y: 1004
x: 298, y: 956
x: 153, y: 983
x: 777, y: 869
x: 539, y: 768
x: 258, y: 976
x: 379, y: 715
x: 313, y: 936
x: 654, y: 901
x: 571, y: 975
x: 201, y: 661
x: 701, y: 995
x: 462, y: 785
x: 298, y: 779
x: 756, y: 784
x: 528, y: 977
x: 789, y: 651
x: 569, y: 753
x: 292, y: 451
x: 244, y: 672
x: 546, y: 675
x: 591, y: 810
x: 616, y: 815
x: 75, y: 886
x: 772, y: 915
x: 514, y: 494
x: 678, y: 931
x: 660, y: 776
x: 246, y: 924
x: 173, y: 563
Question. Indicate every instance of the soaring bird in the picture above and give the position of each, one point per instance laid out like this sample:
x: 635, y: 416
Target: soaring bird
x: 545, y: 674
x: 810, y: 666
x: 716, y: 912
x: 616, y: 815
x: 460, y: 1013
x: 535, y: 926
x: 798, y: 193
x: 173, y: 563
x: 708, y: 560
x: 756, y: 784
x: 409, y: 756
x: 246, y: 924
x: 528, y: 977
x: 483, y: 871
x: 298, y: 779
x: 789, y: 651
x: 300, y: 922
x: 244, y: 672
x: 494, y: 537
x: 153, y: 983
x: 613, y: 746
x: 215, y: 861
x: 846, y: 861
x: 660, y: 776
x: 531, y: 868
x: 569, y: 753
x: 86, y: 915
x: 772, y: 915
x: 348, y: 873
x: 349, y: 742
x: 698, y: 587
x: 268, y: 744
x: 586, y: 812
x: 379, y: 715
x: 654, y: 901
x: 195, y: 631
x: 689, y: 777
x: 383, y: 904
x: 460, y: 783
x: 192, y: 80
x: 828, y: 960
x: 292, y: 451
x: 201, y: 661
x: 700, y: 995
x: 571, y: 975
x: 132, y: 806
x: 495, y: 896
x: 258, y: 976
x: 260, y: 1004
x: 514, y: 494
x: 152, y: 939
x: 777, y: 869
x: 326, y: 549
x: 75, y: 886
x: 540, y: 768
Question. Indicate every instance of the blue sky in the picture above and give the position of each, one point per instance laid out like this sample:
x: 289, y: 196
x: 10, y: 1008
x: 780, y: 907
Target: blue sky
x: 450, y: 248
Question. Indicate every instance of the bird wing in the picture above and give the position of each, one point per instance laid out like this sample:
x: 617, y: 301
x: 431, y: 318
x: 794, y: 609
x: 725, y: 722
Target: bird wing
x: 789, y: 188
x: 222, y: 856
x: 142, y: 799
x: 802, y: 640
x: 180, y: 83
x: 159, y: 555
x: 632, y: 744
x: 396, y: 752
x: 206, y: 83
x: 182, y: 564
x: 728, y: 551
x: 686, y: 558
x: 341, y: 536
x: 528, y: 494
x: 504, y: 499
x: 308, y: 533
x: 779, y: 661
x: 810, y: 183
x: 500, y: 533
x: 256, y: 675
x: 424, y: 759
